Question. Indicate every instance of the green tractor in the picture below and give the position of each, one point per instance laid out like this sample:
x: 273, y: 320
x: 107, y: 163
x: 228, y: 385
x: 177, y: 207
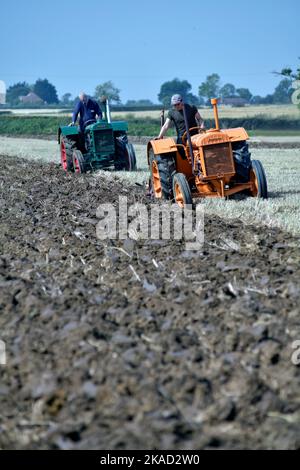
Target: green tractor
x: 103, y: 146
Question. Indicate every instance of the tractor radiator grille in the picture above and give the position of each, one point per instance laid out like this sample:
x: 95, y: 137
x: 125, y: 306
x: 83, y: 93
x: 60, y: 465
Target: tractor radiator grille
x: 103, y: 140
x: 218, y: 160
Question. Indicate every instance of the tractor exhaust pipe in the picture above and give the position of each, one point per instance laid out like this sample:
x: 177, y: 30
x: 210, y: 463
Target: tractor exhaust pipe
x: 108, y: 116
x: 105, y: 104
x: 188, y: 137
x: 214, y: 102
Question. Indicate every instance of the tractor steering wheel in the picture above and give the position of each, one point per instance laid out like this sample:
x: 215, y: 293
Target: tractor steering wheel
x: 89, y: 122
x: 184, y: 137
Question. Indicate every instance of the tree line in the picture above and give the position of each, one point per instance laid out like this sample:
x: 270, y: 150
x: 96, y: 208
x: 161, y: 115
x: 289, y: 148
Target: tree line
x: 210, y: 88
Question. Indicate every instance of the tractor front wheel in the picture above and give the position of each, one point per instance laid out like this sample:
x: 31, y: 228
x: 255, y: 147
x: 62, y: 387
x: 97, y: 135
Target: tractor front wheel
x: 66, y: 153
x: 259, y: 180
x: 182, y: 191
x: 78, y: 162
x: 162, y: 169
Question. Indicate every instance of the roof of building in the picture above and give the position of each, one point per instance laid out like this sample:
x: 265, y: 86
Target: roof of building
x: 31, y: 98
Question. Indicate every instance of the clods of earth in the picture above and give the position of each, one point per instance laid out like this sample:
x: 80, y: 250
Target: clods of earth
x: 140, y: 344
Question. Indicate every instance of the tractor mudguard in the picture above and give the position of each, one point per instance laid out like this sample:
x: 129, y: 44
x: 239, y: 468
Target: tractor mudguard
x: 67, y: 131
x: 166, y: 147
x: 161, y: 146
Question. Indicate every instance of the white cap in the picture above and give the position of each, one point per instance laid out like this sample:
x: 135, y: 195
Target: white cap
x: 176, y: 99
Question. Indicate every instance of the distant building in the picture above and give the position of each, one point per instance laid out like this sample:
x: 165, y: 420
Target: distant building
x: 31, y: 98
x: 2, y: 92
x: 235, y: 101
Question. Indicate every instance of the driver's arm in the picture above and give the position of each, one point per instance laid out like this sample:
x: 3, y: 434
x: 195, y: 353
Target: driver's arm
x: 76, y: 112
x: 165, y: 128
x: 199, y: 120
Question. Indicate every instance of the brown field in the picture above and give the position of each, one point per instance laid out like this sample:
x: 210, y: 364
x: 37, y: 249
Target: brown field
x: 140, y: 344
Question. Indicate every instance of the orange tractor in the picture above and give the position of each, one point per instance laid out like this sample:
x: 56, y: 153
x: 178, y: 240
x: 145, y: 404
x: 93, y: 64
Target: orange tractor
x: 210, y: 163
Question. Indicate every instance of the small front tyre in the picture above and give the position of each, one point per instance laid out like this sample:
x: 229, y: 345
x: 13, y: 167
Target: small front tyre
x: 259, y: 180
x: 162, y: 169
x: 181, y: 190
x: 78, y: 162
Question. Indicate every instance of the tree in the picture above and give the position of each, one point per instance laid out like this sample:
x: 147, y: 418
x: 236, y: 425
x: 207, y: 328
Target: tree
x: 108, y: 90
x: 15, y: 91
x: 66, y: 99
x: 256, y: 100
x: 176, y: 86
x: 211, y: 87
x: 283, y: 92
x: 295, y: 77
x: 269, y: 99
x: 194, y: 100
x: 201, y: 101
x: 244, y: 93
x: 46, y: 91
x: 288, y: 72
x: 227, y: 91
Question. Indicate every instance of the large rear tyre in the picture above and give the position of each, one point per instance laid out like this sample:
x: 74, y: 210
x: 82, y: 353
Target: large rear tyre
x: 125, y: 154
x: 162, y: 169
x: 78, y: 162
x: 242, y: 160
x: 67, y: 147
x: 182, y: 190
x: 259, y: 180
x: 130, y: 158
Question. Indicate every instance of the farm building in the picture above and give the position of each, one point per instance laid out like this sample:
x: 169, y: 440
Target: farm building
x: 31, y: 98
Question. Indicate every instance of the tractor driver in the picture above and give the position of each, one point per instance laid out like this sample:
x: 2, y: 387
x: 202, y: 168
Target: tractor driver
x: 176, y: 117
x: 88, y: 109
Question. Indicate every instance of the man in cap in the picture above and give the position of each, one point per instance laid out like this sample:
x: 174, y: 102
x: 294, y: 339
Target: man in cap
x: 88, y: 109
x: 176, y: 117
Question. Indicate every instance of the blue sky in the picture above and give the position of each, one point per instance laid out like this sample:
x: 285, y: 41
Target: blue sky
x: 139, y: 45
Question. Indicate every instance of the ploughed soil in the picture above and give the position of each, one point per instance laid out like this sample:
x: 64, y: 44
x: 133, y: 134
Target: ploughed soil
x: 140, y: 344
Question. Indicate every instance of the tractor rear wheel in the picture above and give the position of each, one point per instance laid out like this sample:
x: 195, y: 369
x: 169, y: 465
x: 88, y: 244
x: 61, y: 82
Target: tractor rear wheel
x: 162, y: 169
x: 78, y: 162
x: 259, y: 180
x: 242, y: 160
x: 66, y: 153
x: 125, y: 154
x: 130, y: 158
x: 182, y: 190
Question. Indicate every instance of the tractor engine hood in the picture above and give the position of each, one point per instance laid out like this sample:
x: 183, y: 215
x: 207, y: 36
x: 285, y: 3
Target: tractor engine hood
x: 214, y: 137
